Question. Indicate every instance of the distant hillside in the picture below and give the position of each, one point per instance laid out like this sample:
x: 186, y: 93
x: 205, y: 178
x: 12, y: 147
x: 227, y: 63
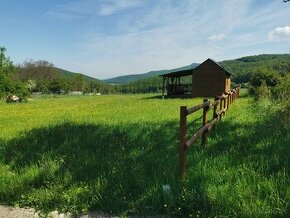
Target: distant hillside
x: 69, y: 74
x: 135, y: 77
x: 241, y: 68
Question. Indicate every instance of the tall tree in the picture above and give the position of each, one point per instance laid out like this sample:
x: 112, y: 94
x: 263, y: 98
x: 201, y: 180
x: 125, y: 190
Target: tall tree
x: 41, y: 72
x: 9, y: 84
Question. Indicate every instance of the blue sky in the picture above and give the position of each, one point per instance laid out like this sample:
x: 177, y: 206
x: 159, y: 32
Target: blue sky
x: 107, y: 38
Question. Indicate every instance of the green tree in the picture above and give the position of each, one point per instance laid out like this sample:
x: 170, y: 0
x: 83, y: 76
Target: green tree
x: 78, y: 83
x: 9, y: 84
x: 42, y: 72
x: 55, y: 86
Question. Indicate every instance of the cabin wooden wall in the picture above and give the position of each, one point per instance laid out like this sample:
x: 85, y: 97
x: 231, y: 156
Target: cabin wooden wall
x: 228, y: 84
x: 209, y: 80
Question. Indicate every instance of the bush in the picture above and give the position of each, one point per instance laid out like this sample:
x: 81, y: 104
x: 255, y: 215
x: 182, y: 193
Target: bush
x: 9, y: 83
x: 262, y: 92
x: 270, y: 84
x: 282, y: 90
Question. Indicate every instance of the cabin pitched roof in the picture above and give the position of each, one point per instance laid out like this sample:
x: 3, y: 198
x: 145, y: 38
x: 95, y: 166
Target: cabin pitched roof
x: 220, y: 66
x: 182, y: 73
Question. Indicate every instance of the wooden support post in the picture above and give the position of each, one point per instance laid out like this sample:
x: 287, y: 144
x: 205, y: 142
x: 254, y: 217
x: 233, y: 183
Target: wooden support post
x: 204, y: 121
x: 182, y: 140
x: 215, y: 115
x: 163, y: 87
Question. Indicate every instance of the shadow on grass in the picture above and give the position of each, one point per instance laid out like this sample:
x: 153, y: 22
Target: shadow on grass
x: 114, y: 168
x: 121, y: 169
x: 268, y: 139
x: 255, y: 158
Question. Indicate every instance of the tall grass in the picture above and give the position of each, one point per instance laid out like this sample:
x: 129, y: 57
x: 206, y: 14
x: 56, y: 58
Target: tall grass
x: 118, y: 153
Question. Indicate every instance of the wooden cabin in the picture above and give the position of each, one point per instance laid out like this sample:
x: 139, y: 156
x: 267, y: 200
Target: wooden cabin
x: 207, y: 80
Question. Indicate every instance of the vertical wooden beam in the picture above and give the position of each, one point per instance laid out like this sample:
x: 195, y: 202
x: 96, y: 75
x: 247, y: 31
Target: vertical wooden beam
x: 204, y: 121
x: 163, y: 86
x: 167, y: 85
x: 182, y: 140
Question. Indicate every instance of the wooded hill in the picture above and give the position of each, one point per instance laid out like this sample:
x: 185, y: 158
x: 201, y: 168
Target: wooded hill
x: 69, y: 74
x: 242, y: 69
x: 42, y: 76
x: 135, y: 77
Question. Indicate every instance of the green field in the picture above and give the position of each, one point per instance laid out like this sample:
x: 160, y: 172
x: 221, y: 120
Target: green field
x: 115, y: 153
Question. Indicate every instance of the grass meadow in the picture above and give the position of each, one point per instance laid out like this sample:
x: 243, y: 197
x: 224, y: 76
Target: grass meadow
x: 116, y: 154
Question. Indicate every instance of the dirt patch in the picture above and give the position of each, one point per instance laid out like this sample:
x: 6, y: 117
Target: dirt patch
x: 12, y: 212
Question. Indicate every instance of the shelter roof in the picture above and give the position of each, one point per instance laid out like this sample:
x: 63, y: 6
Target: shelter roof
x: 188, y: 72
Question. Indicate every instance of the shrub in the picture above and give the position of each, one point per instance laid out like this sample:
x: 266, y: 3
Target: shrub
x: 270, y: 84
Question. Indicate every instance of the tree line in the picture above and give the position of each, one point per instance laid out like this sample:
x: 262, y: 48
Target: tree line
x: 244, y: 71
x: 41, y: 76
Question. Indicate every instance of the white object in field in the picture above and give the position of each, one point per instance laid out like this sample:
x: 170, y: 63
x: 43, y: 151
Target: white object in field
x: 166, y: 189
x: 14, y: 98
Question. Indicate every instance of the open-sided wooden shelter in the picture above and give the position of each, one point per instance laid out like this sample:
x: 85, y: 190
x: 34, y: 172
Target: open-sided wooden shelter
x: 208, y: 79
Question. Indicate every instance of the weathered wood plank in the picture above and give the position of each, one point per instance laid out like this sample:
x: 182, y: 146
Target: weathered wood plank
x: 197, y: 107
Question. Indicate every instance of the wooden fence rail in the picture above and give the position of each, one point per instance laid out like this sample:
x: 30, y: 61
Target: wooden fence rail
x: 220, y: 105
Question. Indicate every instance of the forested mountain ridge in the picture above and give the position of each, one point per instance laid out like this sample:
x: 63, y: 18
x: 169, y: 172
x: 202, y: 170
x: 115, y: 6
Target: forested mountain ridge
x: 42, y: 76
x: 70, y: 74
x: 242, y: 70
x: 119, y: 80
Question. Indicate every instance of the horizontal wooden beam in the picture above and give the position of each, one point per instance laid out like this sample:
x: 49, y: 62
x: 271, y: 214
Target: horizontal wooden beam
x: 197, y: 107
x: 200, y: 131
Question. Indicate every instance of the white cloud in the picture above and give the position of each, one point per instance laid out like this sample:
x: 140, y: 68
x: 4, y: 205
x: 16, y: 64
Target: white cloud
x: 111, y: 7
x: 280, y: 33
x: 81, y: 8
x: 167, y: 34
x: 216, y: 37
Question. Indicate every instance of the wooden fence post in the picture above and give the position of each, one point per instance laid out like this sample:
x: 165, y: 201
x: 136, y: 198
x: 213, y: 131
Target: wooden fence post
x: 215, y: 115
x: 182, y: 140
x: 221, y: 106
x: 236, y: 94
x: 228, y: 101
x: 204, y: 121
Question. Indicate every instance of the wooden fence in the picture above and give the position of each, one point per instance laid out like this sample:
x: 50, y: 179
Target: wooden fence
x: 220, y: 105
